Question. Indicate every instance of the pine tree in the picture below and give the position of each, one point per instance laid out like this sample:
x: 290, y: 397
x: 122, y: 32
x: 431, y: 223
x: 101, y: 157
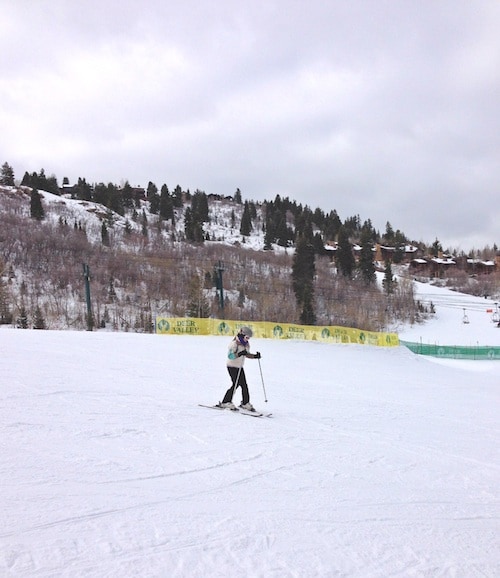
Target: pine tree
x: 331, y: 226
x: 82, y: 190
x: 366, y: 265
x: 127, y: 196
x: 269, y: 234
x: 319, y: 245
x: 237, y: 197
x: 22, y: 320
x: 283, y: 233
x: 389, y: 233
x: 344, y: 257
x: 153, y: 197
x: 26, y: 179
x: 7, y: 175
x: 177, y: 197
x: 307, y: 315
x: 388, y: 282
x: 41, y: 181
x: 199, y: 206
x: 268, y: 240
x: 303, y: 272
x: 104, y: 234
x: 246, y: 221
x: 436, y: 248
x: 39, y: 321
x: 36, y: 208
x: 400, y: 245
x: 166, y: 208
x: 189, y: 224
x: 51, y: 185
x: 115, y: 199
x: 193, y: 229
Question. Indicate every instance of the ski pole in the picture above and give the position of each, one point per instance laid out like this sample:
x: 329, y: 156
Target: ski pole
x: 236, y: 383
x: 262, y: 379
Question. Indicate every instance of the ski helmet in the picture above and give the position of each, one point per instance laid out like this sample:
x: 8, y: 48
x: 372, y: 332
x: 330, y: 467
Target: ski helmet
x: 246, y: 331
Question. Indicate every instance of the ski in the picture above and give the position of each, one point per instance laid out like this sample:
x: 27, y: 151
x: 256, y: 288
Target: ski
x: 255, y: 413
x: 238, y: 410
x: 218, y: 407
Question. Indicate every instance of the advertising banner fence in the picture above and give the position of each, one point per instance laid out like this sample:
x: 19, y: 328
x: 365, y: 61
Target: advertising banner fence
x: 271, y: 330
x: 454, y: 351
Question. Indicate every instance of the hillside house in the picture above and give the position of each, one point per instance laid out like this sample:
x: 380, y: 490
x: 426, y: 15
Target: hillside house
x: 387, y: 253
x: 432, y: 267
x: 479, y: 267
x: 441, y: 266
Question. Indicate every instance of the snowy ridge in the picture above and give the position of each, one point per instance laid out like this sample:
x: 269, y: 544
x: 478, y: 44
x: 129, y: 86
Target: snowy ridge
x: 377, y: 462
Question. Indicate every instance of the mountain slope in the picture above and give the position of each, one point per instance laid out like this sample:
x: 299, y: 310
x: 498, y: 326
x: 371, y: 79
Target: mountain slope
x: 376, y: 463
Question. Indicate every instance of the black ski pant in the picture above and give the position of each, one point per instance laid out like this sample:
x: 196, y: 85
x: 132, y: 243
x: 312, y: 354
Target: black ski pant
x: 242, y: 382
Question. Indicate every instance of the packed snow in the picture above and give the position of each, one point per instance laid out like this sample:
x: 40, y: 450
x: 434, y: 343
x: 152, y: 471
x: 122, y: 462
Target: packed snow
x: 375, y: 463
x: 459, y: 319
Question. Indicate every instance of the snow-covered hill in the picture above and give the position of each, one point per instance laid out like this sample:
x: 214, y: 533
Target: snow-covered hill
x: 125, y: 306
x: 376, y: 462
x: 220, y: 228
x: 459, y: 319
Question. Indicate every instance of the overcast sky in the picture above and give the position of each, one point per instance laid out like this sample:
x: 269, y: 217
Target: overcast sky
x: 384, y: 109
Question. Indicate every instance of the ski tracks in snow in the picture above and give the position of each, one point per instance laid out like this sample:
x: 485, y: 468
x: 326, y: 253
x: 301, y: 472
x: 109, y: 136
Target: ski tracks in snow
x: 360, y: 473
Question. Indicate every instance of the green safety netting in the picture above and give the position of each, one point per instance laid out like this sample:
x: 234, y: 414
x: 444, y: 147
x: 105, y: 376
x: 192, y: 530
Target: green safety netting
x: 454, y: 351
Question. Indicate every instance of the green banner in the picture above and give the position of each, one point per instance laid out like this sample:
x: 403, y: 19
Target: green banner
x: 454, y: 351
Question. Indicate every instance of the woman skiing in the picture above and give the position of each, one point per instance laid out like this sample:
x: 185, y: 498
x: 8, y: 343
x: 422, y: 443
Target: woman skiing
x: 239, y: 348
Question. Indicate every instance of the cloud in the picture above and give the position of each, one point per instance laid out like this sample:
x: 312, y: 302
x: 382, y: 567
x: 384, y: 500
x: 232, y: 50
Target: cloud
x: 388, y: 110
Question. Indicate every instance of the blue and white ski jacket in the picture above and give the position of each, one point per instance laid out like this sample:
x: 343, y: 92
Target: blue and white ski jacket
x: 232, y: 353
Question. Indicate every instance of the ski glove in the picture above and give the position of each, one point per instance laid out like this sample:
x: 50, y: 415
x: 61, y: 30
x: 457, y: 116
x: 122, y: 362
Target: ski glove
x: 244, y: 352
x: 257, y: 355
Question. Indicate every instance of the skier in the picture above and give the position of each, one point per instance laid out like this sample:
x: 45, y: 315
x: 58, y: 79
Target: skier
x: 239, y: 348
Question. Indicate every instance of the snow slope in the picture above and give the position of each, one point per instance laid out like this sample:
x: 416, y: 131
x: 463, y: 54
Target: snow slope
x: 447, y: 326
x: 376, y: 462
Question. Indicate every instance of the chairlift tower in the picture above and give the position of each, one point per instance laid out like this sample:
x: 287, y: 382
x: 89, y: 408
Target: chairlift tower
x: 219, y: 269
x: 86, y: 276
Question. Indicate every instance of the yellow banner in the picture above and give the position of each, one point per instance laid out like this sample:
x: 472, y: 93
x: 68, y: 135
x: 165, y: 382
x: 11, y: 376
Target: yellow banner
x: 270, y: 330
